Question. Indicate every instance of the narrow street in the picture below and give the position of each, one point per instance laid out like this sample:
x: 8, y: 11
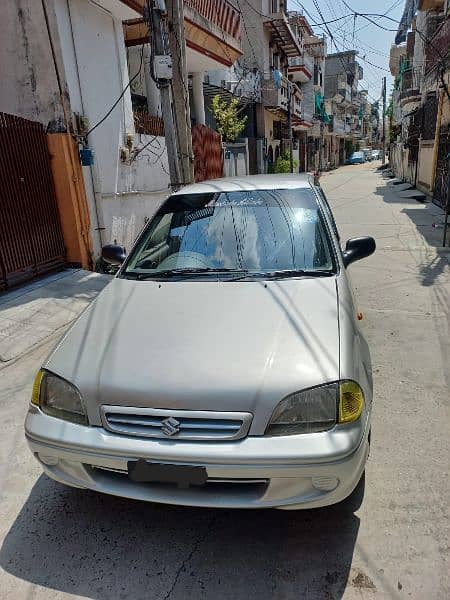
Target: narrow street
x: 59, y: 542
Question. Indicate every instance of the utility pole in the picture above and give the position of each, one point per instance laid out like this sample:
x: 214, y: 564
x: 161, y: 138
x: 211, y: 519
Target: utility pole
x: 157, y: 30
x: 291, y: 157
x: 384, y: 120
x: 180, y: 90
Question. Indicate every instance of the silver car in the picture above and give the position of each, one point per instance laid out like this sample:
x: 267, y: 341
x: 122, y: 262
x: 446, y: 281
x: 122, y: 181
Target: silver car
x: 223, y: 366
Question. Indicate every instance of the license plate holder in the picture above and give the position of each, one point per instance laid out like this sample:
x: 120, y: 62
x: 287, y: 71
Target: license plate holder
x: 143, y: 471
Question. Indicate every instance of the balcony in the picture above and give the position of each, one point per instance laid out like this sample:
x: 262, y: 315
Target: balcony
x: 344, y: 95
x: 273, y: 98
x: 396, y: 57
x: 410, y: 95
x: 212, y: 31
x: 301, y: 68
x: 438, y: 47
x: 340, y: 127
x: 316, y: 46
x: 282, y: 34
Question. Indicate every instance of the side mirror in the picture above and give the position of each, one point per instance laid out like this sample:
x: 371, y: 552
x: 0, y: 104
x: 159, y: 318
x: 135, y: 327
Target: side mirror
x: 114, y: 255
x: 358, y: 248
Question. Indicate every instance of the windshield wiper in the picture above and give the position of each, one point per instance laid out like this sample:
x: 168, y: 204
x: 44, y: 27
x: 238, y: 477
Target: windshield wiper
x: 294, y: 273
x: 187, y: 271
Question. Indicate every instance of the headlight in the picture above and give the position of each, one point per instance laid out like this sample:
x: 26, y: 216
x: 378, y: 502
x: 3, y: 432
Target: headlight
x: 305, y: 412
x: 317, y: 409
x: 58, y: 398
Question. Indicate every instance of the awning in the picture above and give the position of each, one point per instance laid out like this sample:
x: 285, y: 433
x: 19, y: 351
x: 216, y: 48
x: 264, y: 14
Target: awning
x: 283, y: 35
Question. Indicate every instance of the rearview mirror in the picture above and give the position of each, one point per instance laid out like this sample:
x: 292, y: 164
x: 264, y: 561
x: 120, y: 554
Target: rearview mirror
x: 358, y: 248
x: 113, y: 254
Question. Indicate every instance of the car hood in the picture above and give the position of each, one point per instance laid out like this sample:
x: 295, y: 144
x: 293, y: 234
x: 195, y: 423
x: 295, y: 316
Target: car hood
x: 202, y: 345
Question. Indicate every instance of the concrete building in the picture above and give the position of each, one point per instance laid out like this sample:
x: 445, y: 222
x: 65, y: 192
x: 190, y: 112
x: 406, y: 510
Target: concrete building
x: 420, y: 109
x: 308, y: 71
x: 346, y: 104
x: 82, y: 67
x: 269, y: 43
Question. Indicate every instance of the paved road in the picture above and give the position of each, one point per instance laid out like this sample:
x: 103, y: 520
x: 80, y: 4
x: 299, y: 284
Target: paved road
x: 61, y: 543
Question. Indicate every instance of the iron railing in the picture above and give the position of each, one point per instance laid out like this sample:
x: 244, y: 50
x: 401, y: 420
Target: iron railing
x: 148, y: 124
x: 220, y: 12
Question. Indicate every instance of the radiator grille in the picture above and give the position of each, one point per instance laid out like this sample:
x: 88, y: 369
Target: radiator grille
x: 175, y: 424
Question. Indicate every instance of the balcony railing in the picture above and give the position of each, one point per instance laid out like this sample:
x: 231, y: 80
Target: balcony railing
x: 412, y: 80
x: 438, y: 47
x: 339, y: 127
x: 148, y: 124
x: 220, y: 12
x: 410, y: 86
x: 273, y: 97
x: 301, y: 67
x: 306, y: 60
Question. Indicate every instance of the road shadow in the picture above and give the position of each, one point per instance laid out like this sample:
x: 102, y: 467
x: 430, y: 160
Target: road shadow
x: 99, y: 546
x: 428, y: 219
x: 29, y: 315
x: 67, y: 284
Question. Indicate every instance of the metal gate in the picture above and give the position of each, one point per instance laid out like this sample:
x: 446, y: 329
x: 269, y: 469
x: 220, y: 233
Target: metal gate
x: 441, y: 181
x: 207, y: 149
x: 31, y: 241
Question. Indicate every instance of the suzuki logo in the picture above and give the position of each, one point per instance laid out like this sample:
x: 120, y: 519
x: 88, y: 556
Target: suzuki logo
x: 170, y: 426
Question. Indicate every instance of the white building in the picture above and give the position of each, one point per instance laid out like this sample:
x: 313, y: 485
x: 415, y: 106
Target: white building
x: 68, y: 64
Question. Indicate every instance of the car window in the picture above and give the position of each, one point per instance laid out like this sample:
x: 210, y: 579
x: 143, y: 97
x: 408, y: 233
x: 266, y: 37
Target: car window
x: 262, y: 230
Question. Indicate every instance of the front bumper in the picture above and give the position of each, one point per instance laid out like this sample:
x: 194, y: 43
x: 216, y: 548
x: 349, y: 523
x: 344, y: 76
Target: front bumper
x: 255, y: 472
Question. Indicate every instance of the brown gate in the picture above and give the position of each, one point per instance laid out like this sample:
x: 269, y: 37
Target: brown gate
x: 441, y: 182
x: 31, y: 241
x: 208, y: 156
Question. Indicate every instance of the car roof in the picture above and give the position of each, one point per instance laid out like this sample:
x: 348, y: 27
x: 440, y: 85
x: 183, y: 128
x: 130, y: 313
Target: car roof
x: 288, y: 181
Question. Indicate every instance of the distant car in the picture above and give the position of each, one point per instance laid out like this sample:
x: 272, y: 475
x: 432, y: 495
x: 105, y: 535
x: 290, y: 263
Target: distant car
x: 376, y: 154
x: 223, y: 366
x: 367, y: 154
x: 357, y: 158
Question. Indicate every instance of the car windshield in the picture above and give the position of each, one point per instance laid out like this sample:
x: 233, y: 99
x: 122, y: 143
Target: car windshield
x: 255, y: 232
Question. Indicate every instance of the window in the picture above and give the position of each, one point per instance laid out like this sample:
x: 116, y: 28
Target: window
x: 276, y: 60
x: 256, y: 231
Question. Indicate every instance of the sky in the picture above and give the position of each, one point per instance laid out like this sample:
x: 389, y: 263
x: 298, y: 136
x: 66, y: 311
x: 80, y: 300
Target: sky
x: 372, y: 42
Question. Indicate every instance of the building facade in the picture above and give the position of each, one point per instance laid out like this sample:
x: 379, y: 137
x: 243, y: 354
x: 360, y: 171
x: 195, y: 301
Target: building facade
x: 420, y: 106
x: 82, y: 69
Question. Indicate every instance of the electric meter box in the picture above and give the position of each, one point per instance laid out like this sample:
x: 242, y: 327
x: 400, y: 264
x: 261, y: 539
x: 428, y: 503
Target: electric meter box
x: 163, y: 66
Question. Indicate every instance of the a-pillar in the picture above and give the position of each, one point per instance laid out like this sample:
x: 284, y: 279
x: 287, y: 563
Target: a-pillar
x: 198, y: 99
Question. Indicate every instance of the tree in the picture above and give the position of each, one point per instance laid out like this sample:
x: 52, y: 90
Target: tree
x: 283, y: 164
x: 229, y: 125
